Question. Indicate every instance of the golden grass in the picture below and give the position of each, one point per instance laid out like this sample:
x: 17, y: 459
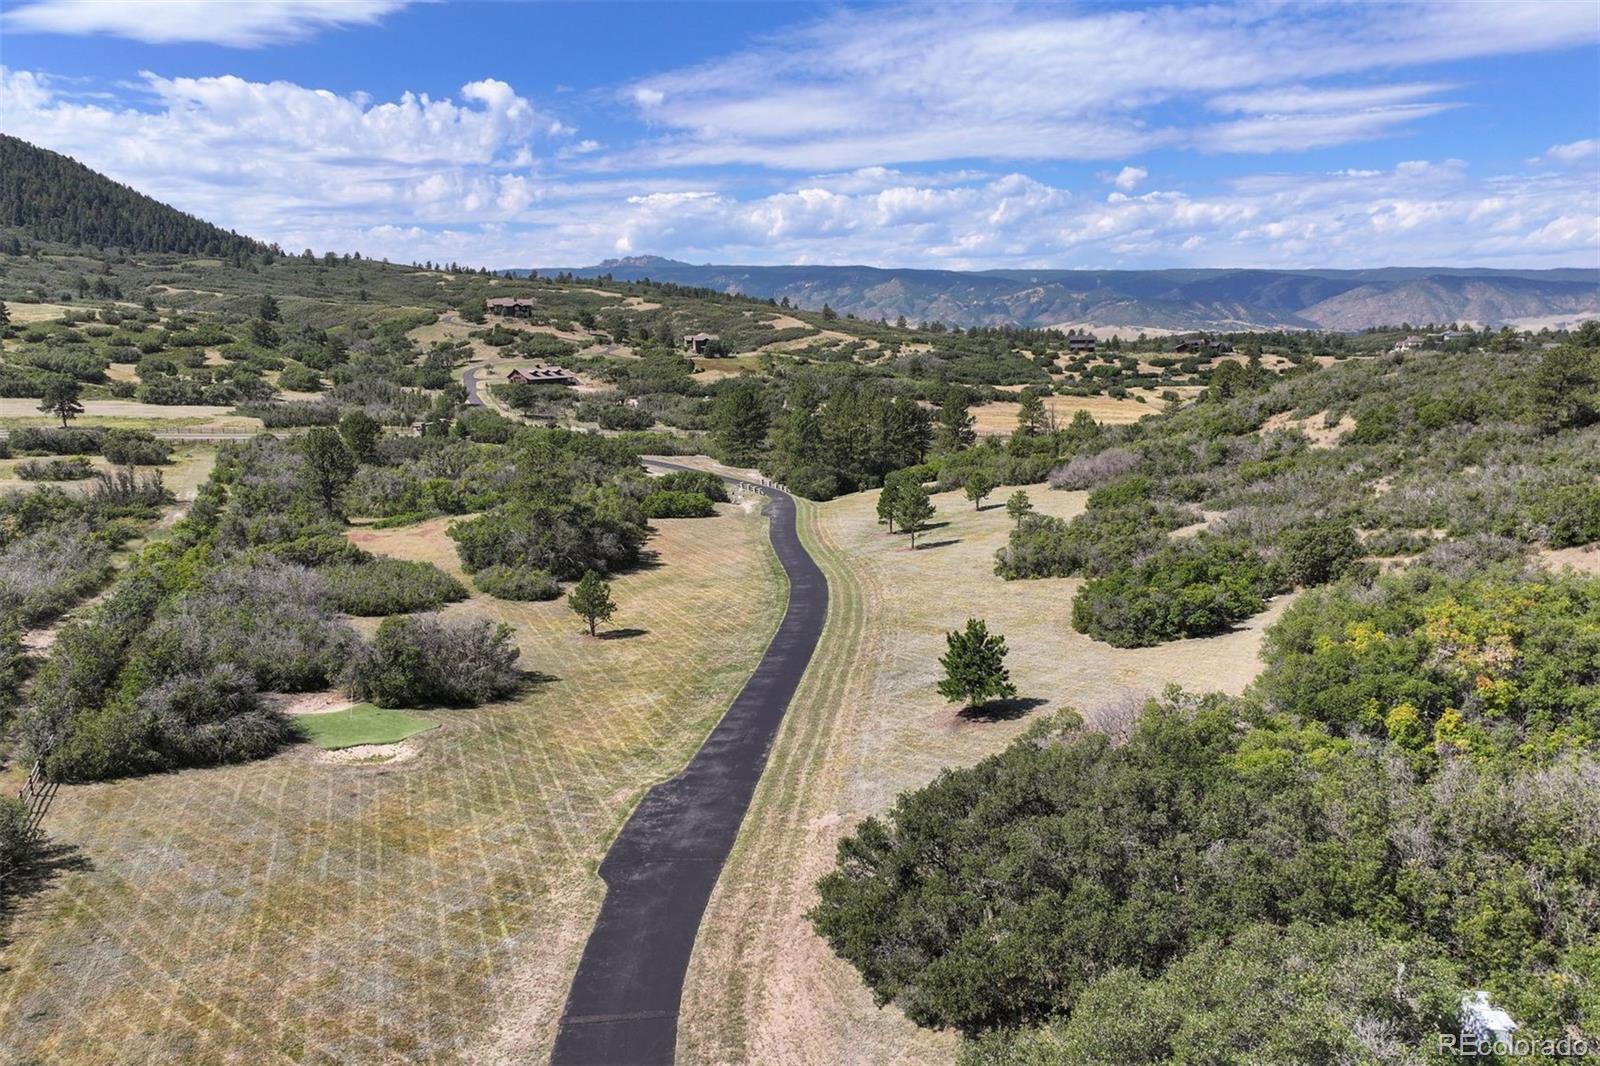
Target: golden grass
x: 302, y: 910
x: 1001, y: 416
x: 867, y: 724
x: 17, y: 412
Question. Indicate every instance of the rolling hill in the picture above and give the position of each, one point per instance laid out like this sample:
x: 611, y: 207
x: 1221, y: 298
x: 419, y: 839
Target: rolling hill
x: 1134, y: 300
x: 52, y: 197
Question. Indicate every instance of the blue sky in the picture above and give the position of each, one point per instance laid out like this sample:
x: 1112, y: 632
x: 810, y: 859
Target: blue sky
x: 965, y: 136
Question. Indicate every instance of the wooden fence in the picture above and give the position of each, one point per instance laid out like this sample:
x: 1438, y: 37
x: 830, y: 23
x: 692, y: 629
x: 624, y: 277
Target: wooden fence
x: 36, y: 794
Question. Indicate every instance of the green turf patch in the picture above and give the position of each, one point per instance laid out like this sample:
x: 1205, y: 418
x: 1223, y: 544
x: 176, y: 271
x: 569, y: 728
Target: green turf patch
x: 361, y: 724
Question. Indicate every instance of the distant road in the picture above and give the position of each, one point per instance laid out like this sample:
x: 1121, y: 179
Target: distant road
x: 469, y: 381
x: 623, y: 1004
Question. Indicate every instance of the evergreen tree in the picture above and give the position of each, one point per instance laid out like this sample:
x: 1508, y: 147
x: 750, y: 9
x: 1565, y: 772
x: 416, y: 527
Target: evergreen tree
x: 911, y: 509
x: 739, y: 420
x: 1032, y: 419
x: 267, y: 308
x: 954, y: 425
x: 60, y: 398
x: 591, y: 600
x: 1018, y: 506
x: 361, y: 433
x: 974, y: 666
x: 979, y: 484
x: 329, y: 466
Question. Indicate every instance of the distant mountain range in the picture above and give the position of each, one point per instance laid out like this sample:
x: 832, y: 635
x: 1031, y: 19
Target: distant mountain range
x: 1130, y: 301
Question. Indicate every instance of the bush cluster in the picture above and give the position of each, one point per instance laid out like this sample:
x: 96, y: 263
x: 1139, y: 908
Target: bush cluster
x: 424, y: 660
x: 510, y: 583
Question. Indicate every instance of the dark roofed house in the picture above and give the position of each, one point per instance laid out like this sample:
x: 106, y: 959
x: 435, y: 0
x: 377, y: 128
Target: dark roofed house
x: 542, y: 375
x: 512, y: 306
x: 702, y: 343
x: 1203, y: 345
x: 1080, y: 343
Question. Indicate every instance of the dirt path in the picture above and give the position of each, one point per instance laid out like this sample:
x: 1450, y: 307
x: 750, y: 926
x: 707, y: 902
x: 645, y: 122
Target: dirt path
x: 660, y: 871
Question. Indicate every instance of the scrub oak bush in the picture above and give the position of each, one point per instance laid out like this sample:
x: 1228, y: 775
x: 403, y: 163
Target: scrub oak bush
x: 383, y: 586
x: 509, y: 583
x: 677, y: 505
x: 425, y: 660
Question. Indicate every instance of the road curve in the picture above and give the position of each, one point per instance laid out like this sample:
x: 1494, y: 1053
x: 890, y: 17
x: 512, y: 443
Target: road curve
x: 622, y: 1008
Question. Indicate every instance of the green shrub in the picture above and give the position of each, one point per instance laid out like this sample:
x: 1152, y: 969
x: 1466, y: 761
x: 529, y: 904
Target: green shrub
x: 1189, y: 589
x: 16, y: 842
x: 509, y: 583
x: 133, y: 447
x: 31, y: 440
x: 384, y: 586
x: 678, y: 505
x: 704, y: 482
x: 1318, y: 554
x: 1566, y: 515
x: 74, y: 469
x: 423, y: 660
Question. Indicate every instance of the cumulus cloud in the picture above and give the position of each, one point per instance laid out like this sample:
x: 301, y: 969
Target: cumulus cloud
x: 236, y: 23
x: 919, y: 84
x: 265, y: 157
x: 1128, y: 178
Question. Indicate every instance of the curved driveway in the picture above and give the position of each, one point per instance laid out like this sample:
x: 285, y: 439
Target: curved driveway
x: 623, y: 1004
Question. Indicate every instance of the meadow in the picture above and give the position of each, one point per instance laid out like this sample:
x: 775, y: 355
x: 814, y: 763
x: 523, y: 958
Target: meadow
x: 429, y: 906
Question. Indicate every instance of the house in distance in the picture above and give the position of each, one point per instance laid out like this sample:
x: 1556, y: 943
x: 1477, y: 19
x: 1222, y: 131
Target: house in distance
x: 542, y: 375
x: 703, y: 344
x: 510, y: 306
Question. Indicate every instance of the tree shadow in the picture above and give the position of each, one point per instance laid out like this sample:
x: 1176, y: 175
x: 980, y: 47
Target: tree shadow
x: 649, y: 559
x: 538, y: 677
x: 938, y: 543
x: 622, y: 634
x: 1000, y: 710
x: 48, y: 862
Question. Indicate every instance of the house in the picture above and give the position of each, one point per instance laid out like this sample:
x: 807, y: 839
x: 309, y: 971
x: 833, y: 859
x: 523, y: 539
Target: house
x: 1203, y: 345
x: 510, y: 306
x: 702, y: 343
x: 1409, y: 344
x: 1080, y: 343
x: 542, y: 375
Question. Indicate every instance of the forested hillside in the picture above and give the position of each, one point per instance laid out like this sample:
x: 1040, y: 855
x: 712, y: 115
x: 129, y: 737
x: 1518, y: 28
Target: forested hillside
x: 54, y: 198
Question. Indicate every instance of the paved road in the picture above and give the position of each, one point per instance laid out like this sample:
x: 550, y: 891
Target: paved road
x: 469, y: 381
x: 622, y: 1008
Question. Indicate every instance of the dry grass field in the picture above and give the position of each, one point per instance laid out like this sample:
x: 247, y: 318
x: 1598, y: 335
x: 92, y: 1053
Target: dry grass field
x: 1001, y: 416
x: 867, y: 724
x: 429, y: 907
x: 130, y: 414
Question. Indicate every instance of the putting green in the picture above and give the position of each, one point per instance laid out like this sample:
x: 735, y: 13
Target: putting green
x: 361, y: 724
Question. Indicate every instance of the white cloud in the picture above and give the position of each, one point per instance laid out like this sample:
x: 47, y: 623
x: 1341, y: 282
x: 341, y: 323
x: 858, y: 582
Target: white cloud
x: 879, y: 87
x: 1128, y: 178
x: 236, y: 23
x: 1578, y: 152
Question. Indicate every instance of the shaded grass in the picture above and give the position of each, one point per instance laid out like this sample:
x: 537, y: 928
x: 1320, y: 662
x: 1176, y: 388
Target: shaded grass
x: 299, y: 910
x: 361, y: 724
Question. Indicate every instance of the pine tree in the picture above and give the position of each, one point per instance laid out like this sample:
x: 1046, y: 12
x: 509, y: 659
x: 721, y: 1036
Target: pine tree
x: 1031, y: 416
x: 954, y: 425
x: 912, y: 509
x: 974, y: 666
x: 60, y: 398
x: 591, y: 600
x: 329, y: 466
x: 1018, y: 506
x: 979, y: 484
